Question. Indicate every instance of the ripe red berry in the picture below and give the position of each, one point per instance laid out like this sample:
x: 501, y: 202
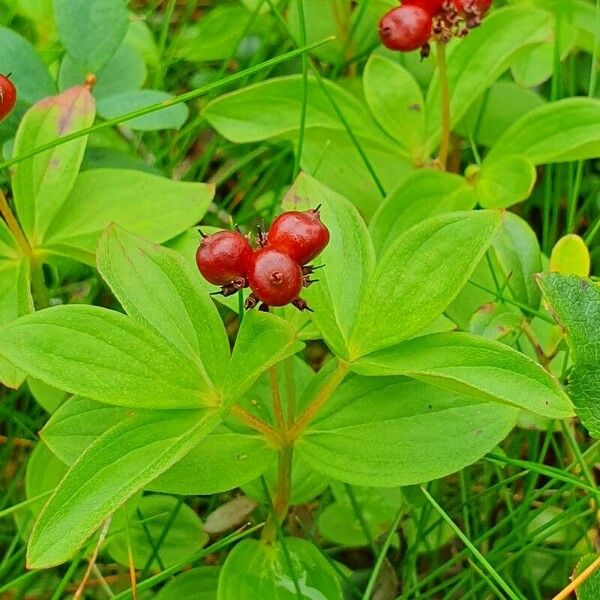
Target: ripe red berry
x: 301, y: 235
x: 274, y: 277
x: 405, y: 28
x: 223, y: 257
x: 433, y: 7
x: 8, y: 96
x: 473, y: 7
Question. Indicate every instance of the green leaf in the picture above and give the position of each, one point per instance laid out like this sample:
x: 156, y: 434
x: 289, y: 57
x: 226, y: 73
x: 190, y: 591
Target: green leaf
x: 125, y: 71
x: 110, y: 471
x: 482, y: 57
x: 29, y: 73
x: 418, y: 277
x: 494, y: 112
x: 91, y: 30
x: 331, y: 156
x: 423, y: 194
x: 159, y: 289
x: 105, y: 356
x: 473, y: 365
x: 378, y: 506
x: 256, y: 569
x: 42, y: 183
x: 590, y: 588
x: 272, y: 108
x: 263, y: 340
x: 77, y: 424
x: 44, y: 473
x: 215, y: 36
x: 132, y: 199
x: 560, y: 131
x: 48, y: 397
x: 139, y: 525
x: 226, y: 459
x: 575, y: 303
x: 171, y: 117
x: 348, y: 258
x: 15, y: 301
x: 397, y: 103
x: 502, y: 183
x: 570, y: 256
x: 517, y: 251
x: 393, y: 431
x: 196, y: 584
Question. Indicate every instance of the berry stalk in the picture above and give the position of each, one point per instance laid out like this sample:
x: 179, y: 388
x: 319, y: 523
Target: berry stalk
x: 445, y: 105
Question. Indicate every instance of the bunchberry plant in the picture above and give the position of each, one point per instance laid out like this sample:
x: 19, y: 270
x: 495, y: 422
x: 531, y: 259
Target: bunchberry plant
x: 391, y: 391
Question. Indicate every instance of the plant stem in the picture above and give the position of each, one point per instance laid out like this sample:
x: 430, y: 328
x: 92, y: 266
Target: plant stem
x: 290, y: 388
x: 445, y: 105
x: 281, y: 501
x: 255, y: 423
x: 14, y: 226
x: 276, y: 397
x: 336, y: 377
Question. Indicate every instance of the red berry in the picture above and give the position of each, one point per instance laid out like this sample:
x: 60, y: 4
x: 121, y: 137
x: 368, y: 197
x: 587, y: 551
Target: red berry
x: 274, y: 277
x: 301, y: 235
x: 8, y: 96
x: 433, y: 7
x: 223, y: 257
x: 405, y: 28
x: 473, y: 7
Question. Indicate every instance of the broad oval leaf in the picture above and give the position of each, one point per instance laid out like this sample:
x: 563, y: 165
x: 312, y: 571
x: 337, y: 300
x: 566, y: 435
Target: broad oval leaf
x: 575, y: 303
x: 480, y: 58
x: 570, y: 256
x: 42, y: 183
x: 105, y: 356
x: 170, y: 117
x: 196, y: 584
x: 272, y: 108
x: 559, y: 131
x: 423, y: 194
x: 256, y: 569
x: 348, y: 261
x: 111, y: 470
x: 129, y: 198
x: 505, y: 182
x: 393, y: 431
x: 419, y: 276
x: 29, y: 73
x: 142, y: 521
x: 397, y: 103
x: 158, y: 288
x: 473, y: 365
x: 15, y: 301
x: 91, y: 30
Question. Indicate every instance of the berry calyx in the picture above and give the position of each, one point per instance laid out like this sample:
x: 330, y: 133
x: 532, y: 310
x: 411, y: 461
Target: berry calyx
x: 301, y: 235
x: 274, y: 277
x: 223, y: 259
x: 405, y: 28
x: 8, y: 96
x: 433, y: 7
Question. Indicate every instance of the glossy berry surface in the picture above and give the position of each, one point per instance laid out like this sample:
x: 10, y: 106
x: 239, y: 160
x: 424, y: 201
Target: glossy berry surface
x: 476, y: 7
x: 433, y: 7
x: 8, y: 96
x: 223, y: 257
x: 301, y: 235
x: 405, y: 28
x: 274, y: 277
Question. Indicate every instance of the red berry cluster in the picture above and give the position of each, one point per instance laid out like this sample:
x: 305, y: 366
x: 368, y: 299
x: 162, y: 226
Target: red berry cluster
x: 8, y: 96
x: 412, y: 25
x: 277, y: 271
